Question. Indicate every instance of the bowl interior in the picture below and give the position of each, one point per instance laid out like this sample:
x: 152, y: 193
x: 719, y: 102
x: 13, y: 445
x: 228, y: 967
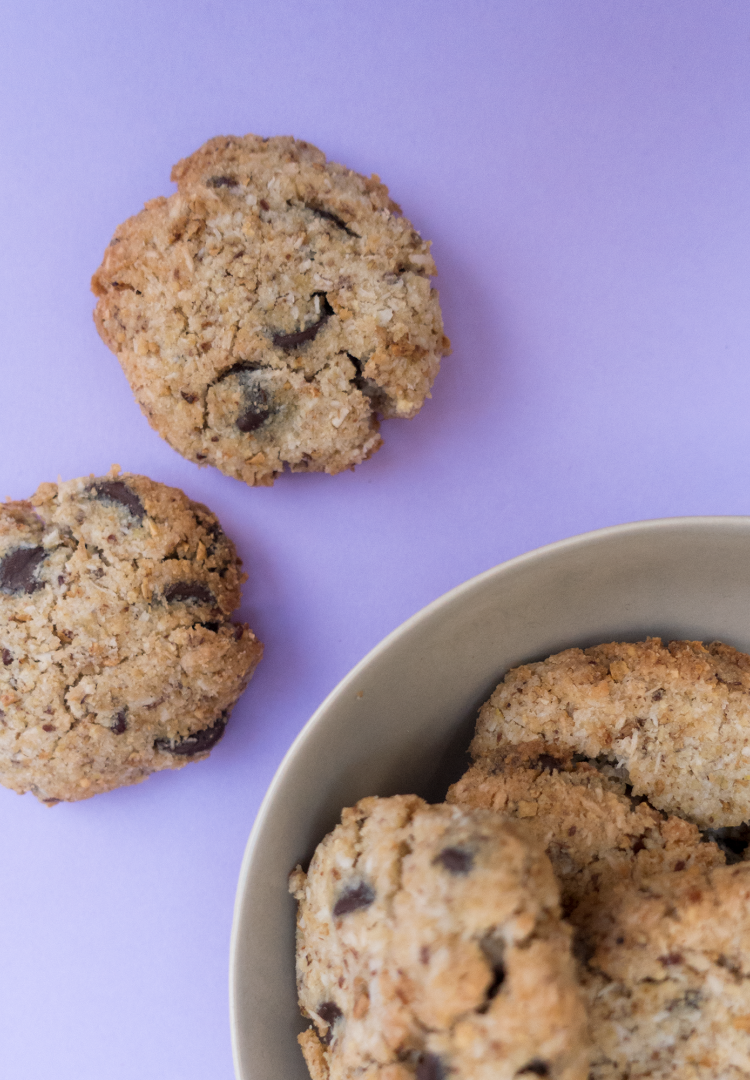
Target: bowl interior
x: 402, y: 719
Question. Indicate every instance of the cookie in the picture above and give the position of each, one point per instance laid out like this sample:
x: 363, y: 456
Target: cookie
x: 119, y: 656
x: 673, y: 720
x: 271, y: 310
x: 597, y: 838
x: 668, y: 987
x: 429, y: 946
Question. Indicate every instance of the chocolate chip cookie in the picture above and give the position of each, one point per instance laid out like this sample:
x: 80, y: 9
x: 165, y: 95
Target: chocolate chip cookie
x: 118, y: 654
x: 672, y: 721
x: 596, y: 836
x: 429, y: 946
x: 668, y: 986
x: 271, y: 310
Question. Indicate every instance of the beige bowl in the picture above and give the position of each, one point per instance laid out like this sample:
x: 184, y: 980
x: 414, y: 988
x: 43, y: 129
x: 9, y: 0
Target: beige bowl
x: 401, y: 720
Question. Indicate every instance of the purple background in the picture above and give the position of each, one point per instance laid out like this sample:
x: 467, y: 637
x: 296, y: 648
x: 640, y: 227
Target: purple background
x: 582, y: 168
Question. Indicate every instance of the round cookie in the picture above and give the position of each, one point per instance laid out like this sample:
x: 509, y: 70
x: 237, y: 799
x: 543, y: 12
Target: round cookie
x: 596, y: 837
x: 269, y: 311
x: 668, y: 987
x: 119, y: 656
x: 429, y: 946
x: 673, y: 720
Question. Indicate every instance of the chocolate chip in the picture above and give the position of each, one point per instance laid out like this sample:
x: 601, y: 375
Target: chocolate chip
x: 328, y: 216
x: 494, y: 951
x: 197, y: 743
x: 456, y: 860
x: 256, y: 409
x: 119, y: 722
x: 7, y: 657
x: 238, y: 633
x: 638, y: 845
x: 732, y: 840
x: 48, y: 727
x: 188, y: 590
x: 657, y: 695
x: 375, y: 394
x: 680, y: 865
x: 18, y: 568
x: 264, y: 205
x: 291, y: 341
x: 190, y: 398
x: 117, y: 491
x: 221, y: 181
x: 329, y: 1013
x: 430, y: 1067
x: 547, y: 761
x: 582, y: 949
x: 670, y: 959
x: 352, y: 898
x: 572, y: 830
x: 535, y: 1066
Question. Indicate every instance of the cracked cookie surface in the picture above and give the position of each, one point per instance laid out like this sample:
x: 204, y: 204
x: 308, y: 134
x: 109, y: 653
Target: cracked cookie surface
x: 429, y: 946
x: 596, y: 837
x: 118, y: 654
x: 269, y: 311
x: 668, y: 987
x: 673, y: 721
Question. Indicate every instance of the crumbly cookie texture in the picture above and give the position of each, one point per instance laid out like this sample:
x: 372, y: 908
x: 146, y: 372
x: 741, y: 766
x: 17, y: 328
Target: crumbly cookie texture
x: 668, y: 987
x: 269, y: 311
x: 429, y: 946
x: 674, y: 719
x: 596, y: 837
x: 119, y: 656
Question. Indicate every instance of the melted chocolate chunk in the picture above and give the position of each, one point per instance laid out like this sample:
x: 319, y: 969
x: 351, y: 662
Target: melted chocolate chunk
x: 493, y: 950
x: 116, y: 491
x: 375, y: 394
x: 535, y: 1066
x: 329, y: 1013
x: 732, y: 840
x: 547, y: 761
x: 221, y: 181
x: 256, y: 409
x: 291, y: 341
x: 354, y: 897
x: 456, y: 860
x: 119, y: 722
x: 197, y: 743
x: 17, y: 570
x: 583, y: 949
x: 188, y: 590
x: 431, y: 1067
x: 328, y: 216
x: 7, y: 657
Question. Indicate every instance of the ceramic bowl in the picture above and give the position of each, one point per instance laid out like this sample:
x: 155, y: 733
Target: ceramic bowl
x: 402, y: 719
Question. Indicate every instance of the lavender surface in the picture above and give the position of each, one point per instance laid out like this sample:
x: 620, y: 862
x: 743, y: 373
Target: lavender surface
x: 582, y: 169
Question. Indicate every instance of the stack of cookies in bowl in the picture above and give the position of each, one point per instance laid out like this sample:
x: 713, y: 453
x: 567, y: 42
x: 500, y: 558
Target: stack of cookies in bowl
x: 577, y: 907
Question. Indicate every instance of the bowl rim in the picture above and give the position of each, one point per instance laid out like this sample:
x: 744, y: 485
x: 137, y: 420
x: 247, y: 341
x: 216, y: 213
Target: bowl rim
x: 578, y: 540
